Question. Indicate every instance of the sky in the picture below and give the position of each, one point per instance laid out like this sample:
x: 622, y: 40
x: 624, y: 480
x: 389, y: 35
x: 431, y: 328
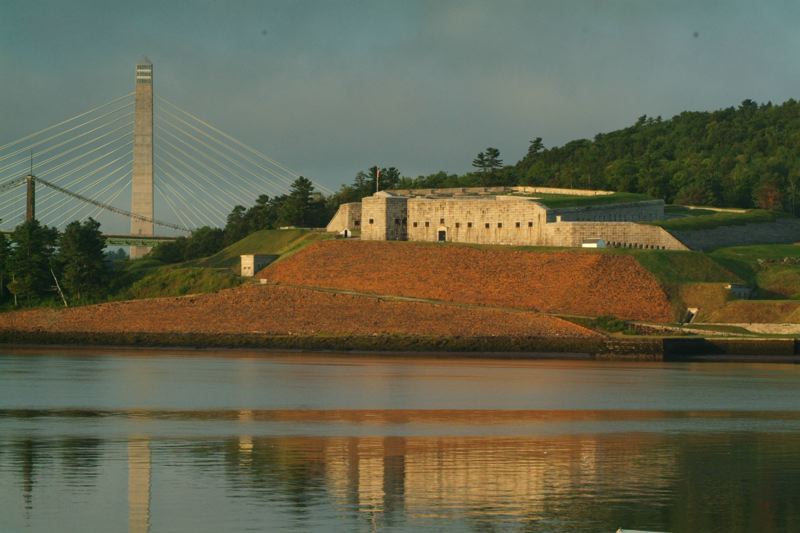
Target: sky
x: 332, y: 87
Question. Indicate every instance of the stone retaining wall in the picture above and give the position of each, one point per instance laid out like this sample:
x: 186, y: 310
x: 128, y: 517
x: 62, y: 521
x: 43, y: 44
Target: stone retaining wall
x: 348, y: 216
x: 783, y: 230
x: 627, y: 212
x: 615, y: 234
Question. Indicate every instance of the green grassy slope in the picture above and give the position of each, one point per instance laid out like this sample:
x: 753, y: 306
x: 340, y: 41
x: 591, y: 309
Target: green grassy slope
x: 178, y: 281
x: 150, y: 278
x: 717, y: 219
x: 773, y: 268
x: 676, y: 267
x: 269, y: 242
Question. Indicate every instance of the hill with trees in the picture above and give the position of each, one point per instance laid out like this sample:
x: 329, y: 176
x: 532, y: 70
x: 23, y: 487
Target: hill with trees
x: 745, y: 156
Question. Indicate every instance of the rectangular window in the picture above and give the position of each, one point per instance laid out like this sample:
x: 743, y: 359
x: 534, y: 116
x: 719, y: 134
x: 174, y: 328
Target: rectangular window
x: 499, y: 224
x: 415, y: 224
x: 487, y: 225
x: 469, y: 224
x: 530, y: 224
x: 397, y: 222
x: 518, y: 224
x: 371, y: 221
x: 427, y: 224
x: 441, y: 221
x: 458, y: 224
x: 357, y: 223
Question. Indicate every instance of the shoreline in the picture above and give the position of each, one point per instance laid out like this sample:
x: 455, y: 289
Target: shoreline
x: 655, y: 349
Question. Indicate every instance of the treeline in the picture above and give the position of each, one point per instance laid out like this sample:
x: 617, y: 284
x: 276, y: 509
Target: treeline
x: 736, y: 157
x: 303, y: 207
x: 36, y: 261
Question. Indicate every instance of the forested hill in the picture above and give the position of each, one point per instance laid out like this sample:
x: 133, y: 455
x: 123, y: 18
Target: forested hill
x: 739, y: 157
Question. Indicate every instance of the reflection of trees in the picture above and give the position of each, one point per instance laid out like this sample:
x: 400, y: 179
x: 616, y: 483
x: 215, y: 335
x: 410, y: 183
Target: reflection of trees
x: 80, y: 459
x: 737, y: 482
x: 26, y: 453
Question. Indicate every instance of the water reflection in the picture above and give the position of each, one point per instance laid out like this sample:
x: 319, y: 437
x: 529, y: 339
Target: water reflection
x: 139, y: 485
x: 683, y: 482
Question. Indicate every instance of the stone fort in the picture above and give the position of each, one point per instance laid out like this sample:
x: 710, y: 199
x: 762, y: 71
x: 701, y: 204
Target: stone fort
x: 503, y: 215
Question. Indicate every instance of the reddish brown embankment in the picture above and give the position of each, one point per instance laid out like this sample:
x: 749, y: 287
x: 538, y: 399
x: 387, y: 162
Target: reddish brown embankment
x: 276, y: 310
x: 588, y: 284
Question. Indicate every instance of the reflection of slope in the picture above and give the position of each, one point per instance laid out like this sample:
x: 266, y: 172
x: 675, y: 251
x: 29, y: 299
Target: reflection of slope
x: 500, y: 477
x: 139, y: 486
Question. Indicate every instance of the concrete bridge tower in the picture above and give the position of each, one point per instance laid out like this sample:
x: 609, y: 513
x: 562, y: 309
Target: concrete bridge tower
x: 142, y: 180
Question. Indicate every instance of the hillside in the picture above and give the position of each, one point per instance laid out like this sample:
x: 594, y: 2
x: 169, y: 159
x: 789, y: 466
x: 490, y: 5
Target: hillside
x: 567, y: 282
x: 275, y: 310
x: 737, y: 157
x: 268, y: 242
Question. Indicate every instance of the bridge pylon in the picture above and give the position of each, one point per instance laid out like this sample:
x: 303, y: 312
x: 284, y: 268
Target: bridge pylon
x: 30, y: 198
x: 142, y: 179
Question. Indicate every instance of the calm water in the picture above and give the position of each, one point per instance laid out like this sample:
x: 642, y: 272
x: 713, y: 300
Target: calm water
x: 116, y: 441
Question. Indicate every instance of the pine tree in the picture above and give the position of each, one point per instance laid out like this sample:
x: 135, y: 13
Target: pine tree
x: 30, y: 261
x: 80, y: 254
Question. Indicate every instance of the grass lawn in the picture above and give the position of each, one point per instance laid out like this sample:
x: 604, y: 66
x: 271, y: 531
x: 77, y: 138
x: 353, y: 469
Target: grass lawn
x: 717, y: 219
x: 268, y: 242
x: 773, y: 268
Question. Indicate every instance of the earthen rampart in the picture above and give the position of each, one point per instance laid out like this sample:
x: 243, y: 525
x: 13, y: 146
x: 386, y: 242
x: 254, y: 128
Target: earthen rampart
x: 479, y: 191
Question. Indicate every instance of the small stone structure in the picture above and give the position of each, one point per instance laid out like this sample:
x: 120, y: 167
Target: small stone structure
x: 252, y: 263
x: 503, y: 215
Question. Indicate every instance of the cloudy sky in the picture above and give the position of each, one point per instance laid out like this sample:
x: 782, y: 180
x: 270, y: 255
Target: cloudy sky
x: 331, y: 87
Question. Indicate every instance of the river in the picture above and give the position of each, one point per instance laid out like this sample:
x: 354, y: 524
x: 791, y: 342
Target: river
x: 94, y: 440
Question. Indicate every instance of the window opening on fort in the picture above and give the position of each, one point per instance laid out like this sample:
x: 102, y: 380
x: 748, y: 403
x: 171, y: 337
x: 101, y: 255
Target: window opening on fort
x: 371, y: 221
x: 427, y: 224
x: 441, y: 221
x: 518, y: 224
x: 487, y: 225
x: 499, y: 224
x: 469, y: 224
x: 357, y: 223
x: 415, y: 224
x: 530, y: 224
x: 458, y: 224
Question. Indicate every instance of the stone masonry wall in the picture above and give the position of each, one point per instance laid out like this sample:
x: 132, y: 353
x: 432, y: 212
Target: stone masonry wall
x: 615, y: 234
x: 629, y: 212
x: 507, y: 220
x: 784, y: 230
x: 384, y: 218
x: 348, y: 216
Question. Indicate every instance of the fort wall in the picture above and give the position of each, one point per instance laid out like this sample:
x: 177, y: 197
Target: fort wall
x: 627, y: 212
x: 505, y: 220
x: 783, y: 230
x: 384, y: 218
x: 615, y: 234
x: 348, y: 216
